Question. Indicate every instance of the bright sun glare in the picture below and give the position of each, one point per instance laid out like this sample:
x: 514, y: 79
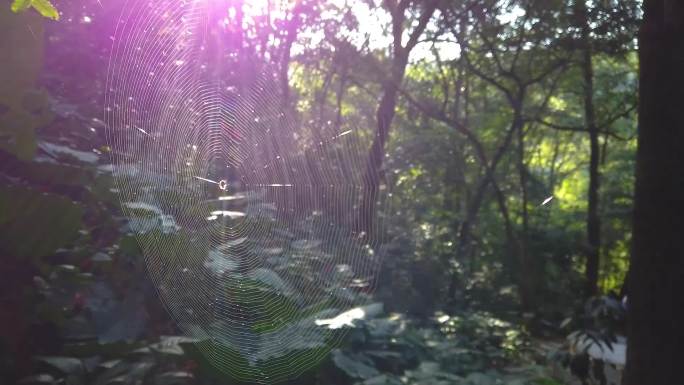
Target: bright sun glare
x: 257, y: 8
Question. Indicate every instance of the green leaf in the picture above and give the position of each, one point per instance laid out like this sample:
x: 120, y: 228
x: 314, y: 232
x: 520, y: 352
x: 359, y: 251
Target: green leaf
x: 174, y: 378
x: 22, y: 41
x: 45, y: 8
x: 353, y: 365
x: 20, y: 121
x: 172, y: 345
x: 17, y: 134
x: 66, y: 365
x: 478, y: 378
x: 382, y: 379
x: 20, y: 5
x: 22, y: 108
x: 38, y: 379
x: 55, y: 174
x: 36, y: 224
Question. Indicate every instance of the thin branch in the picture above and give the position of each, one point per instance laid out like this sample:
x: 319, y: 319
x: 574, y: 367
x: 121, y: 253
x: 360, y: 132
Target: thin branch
x: 558, y: 64
x: 499, y: 65
x: 488, y: 79
x: 451, y: 122
x: 613, y: 118
x: 561, y: 127
x: 444, y: 78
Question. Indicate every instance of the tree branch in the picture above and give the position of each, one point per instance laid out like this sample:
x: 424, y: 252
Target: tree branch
x: 425, y: 17
x: 561, y: 127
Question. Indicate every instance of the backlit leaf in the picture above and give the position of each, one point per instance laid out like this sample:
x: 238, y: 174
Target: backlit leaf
x: 20, y: 5
x: 45, y: 8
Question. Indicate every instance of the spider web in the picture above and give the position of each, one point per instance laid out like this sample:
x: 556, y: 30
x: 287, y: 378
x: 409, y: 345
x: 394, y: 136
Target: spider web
x: 245, y: 223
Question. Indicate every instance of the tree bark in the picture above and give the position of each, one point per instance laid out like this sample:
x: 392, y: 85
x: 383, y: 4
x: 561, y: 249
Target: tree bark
x: 528, y: 271
x: 386, y: 107
x: 374, y: 173
x: 656, y: 286
x: 291, y: 32
x: 593, y: 219
x: 384, y: 116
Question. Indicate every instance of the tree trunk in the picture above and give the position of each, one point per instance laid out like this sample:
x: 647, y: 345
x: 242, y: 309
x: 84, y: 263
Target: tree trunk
x: 386, y: 109
x: 291, y: 32
x: 593, y: 219
x: 528, y: 278
x: 384, y: 116
x: 656, y: 287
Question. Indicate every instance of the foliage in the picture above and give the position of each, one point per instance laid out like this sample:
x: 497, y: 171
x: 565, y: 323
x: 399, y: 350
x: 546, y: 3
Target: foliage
x: 23, y: 237
x: 468, y: 238
x: 382, y: 350
x: 592, y: 346
x: 469, y: 349
x: 44, y: 7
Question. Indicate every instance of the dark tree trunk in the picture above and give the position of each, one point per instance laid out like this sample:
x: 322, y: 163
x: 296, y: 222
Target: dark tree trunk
x: 384, y: 116
x: 374, y: 173
x: 656, y: 288
x: 593, y: 219
x: 386, y: 108
x: 528, y: 276
x: 291, y: 33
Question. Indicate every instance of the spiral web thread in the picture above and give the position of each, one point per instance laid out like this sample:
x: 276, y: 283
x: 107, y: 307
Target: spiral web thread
x: 245, y: 228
